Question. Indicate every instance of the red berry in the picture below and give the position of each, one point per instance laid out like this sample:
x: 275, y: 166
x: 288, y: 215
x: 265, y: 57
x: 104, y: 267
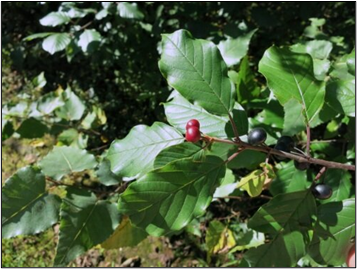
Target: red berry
x: 193, y: 134
x: 351, y: 257
x: 192, y: 123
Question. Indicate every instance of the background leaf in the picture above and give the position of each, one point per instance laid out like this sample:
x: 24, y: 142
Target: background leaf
x: 73, y: 107
x: 55, y: 18
x: 290, y: 76
x: 341, y: 96
x: 56, y: 42
x: 85, y: 222
x: 64, y: 160
x: 180, y: 191
x: 125, y: 235
x: 336, y: 226
x: 105, y: 175
x: 135, y: 154
x: 129, y: 10
x: 195, y: 68
x: 87, y: 38
x: 234, y: 49
x: 32, y: 128
x: 25, y: 205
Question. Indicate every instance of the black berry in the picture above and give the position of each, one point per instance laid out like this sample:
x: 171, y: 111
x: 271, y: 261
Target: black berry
x: 321, y: 191
x: 301, y: 166
x: 257, y: 136
x: 282, y: 147
x: 287, y: 140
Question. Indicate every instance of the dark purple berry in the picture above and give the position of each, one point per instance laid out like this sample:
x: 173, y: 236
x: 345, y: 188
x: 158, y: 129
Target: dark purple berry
x: 257, y: 136
x: 321, y: 191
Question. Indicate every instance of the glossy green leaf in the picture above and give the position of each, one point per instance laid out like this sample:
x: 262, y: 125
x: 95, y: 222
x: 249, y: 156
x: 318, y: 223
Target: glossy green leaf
x: 129, y: 10
x: 234, y: 49
x: 176, y: 152
x: 85, y: 222
x: 56, y: 42
x: 168, y: 198
x: 321, y: 68
x: 49, y: 102
x: 287, y: 218
x: 55, y: 18
x: 218, y: 238
x: 285, y: 213
x: 26, y: 207
x: 288, y: 179
x: 135, y: 154
x: 319, y: 49
x: 179, y: 111
x: 64, y: 160
x: 125, y: 235
x: 249, y: 159
x: 340, y: 182
x: 290, y: 76
x: 341, y: 96
x: 283, y: 251
x: 195, y: 68
x: 73, y: 107
x: 105, y: 175
x: 351, y: 62
x: 87, y: 38
x: 32, y: 128
x: 336, y: 226
x: 341, y: 70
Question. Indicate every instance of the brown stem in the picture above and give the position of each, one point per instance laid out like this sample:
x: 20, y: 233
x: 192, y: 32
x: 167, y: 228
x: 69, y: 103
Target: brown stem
x: 320, y: 173
x: 234, y: 127
x: 308, y: 139
x: 296, y: 157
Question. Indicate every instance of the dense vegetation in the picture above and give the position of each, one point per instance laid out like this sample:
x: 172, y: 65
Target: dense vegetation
x: 266, y: 174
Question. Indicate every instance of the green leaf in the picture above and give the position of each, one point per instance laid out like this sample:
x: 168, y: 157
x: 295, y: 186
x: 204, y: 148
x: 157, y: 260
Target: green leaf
x: 341, y: 69
x: 32, y: 128
x: 101, y: 14
x: 73, y: 107
x: 40, y: 80
x: 234, y: 49
x: 56, y: 42
x: 351, y: 62
x: 340, y: 182
x: 55, y: 18
x: 336, y: 226
x: 195, y: 68
x: 125, y: 235
x: 49, y: 102
x: 87, y: 38
x: 26, y: 207
x: 227, y: 185
x: 218, y: 238
x: 254, y: 182
x: 176, y: 152
x: 64, y: 160
x: 288, y: 179
x: 71, y: 137
x: 290, y: 76
x: 318, y: 49
x: 293, y: 118
x: 284, y: 213
x: 135, y: 154
x: 272, y: 115
x: 287, y: 218
x: 179, y: 111
x: 105, y: 175
x: 284, y: 251
x: 321, y: 68
x: 38, y: 35
x: 129, y: 10
x: 168, y: 198
x: 247, y: 87
x: 246, y: 238
x: 249, y: 159
x: 85, y: 222
x: 341, y: 96
x: 7, y: 129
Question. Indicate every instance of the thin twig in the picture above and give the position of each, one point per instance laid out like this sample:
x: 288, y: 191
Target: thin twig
x: 320, y: 173
x: 308, y: 139
x: 234, y: 127
x: 296, y: 157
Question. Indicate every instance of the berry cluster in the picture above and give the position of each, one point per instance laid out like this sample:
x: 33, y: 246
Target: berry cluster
x: 193, y: 133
